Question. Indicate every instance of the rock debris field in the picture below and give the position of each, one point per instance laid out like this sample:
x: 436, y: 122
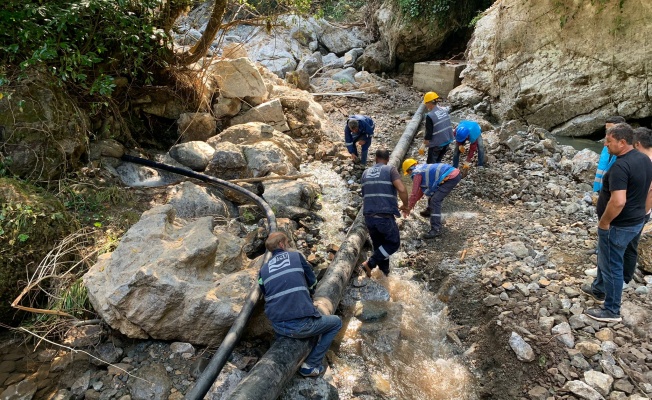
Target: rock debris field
x: 518, y: 243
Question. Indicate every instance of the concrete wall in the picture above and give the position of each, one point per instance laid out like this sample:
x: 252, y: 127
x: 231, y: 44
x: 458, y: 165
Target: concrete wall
x: 437, y: 76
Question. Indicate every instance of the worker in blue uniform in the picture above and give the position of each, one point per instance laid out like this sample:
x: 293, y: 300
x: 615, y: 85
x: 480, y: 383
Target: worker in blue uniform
x: 380, y: 185
x: 359, y: 130
x: 287, y: 281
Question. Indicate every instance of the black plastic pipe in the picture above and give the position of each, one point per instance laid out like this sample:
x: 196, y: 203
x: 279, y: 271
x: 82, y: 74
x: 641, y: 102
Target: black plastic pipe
x: 221, y: 356
x: 268, y: 377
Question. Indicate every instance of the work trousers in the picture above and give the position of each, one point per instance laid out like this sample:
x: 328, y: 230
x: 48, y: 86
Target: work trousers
x: 325, y: 326
x: 386, y: 240
x: 478, y: 145
x: 436, y: 200
x: 364, y: 150
x: 436, y: 154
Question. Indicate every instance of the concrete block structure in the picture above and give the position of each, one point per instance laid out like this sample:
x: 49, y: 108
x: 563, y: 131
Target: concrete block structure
x: 438, y: 76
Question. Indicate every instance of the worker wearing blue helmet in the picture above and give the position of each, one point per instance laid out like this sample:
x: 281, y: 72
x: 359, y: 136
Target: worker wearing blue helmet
x: 471, y: 131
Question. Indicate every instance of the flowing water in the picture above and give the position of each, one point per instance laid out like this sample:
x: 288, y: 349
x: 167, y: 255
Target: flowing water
x: 403, y: 355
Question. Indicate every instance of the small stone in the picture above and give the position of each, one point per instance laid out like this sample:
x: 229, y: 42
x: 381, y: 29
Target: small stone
x: 181, y: 347
x: 23, y: 390
x: 546, y: 324
x: 522, y: 288
x: 612, y: 369
x: 588, y: 349
x: 609, y: 347
x: 642, y: 290
x: 491, y: 300
x: 564, y: 335
x: 605, y: 334
x: 554, y: 287
x: 582, y: 390
x: 504, y: 296
x: 522, y: 349
x: 592, y: 272
x: 543, y: 282
x: 599, y: 381
x: 571, y: 292
x: 538, y: 393
x: 624, y: 386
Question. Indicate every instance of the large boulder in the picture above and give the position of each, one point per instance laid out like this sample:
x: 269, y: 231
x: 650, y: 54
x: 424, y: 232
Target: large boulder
x: 270, y: 113
x: 196, y: 126
x: 159, y: 282
x: 194, y: 155
x: 339, y: 41
x: 253, y: 132
x: 193, y: 201
x: 566, y: 70
x: 32, y: 222
x: 238, y: 78
x: 409, y: 39
x: 42, y: 131
x: 291, y: 199
x: 376, y: 58
x: 266, y: 157
x: 228, y: 162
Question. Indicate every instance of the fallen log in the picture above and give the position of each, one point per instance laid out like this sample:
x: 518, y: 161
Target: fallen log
x: 268, y: 377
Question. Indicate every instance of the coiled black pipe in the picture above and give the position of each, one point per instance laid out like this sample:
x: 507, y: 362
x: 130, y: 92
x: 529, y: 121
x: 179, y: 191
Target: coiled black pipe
x: 222, y: 354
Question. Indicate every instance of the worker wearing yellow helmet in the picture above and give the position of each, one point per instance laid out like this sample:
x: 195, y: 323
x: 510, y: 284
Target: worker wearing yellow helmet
x: 439, y: 130
x: 435, y: 181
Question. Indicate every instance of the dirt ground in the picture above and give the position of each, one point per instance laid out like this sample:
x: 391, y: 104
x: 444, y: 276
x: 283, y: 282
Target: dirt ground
x: 497, y: 373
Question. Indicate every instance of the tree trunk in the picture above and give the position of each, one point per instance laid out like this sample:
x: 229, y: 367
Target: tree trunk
x: 201, y: 47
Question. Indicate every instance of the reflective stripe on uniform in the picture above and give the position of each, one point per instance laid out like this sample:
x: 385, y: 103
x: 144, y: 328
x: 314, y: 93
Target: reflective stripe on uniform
x: 287, y: 271
x: 384, y: 252
x: 380, y: 195
x: 283, y: 293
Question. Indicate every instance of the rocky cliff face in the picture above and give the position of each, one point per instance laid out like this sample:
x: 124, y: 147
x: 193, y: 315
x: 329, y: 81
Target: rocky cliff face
x: 562, y: 67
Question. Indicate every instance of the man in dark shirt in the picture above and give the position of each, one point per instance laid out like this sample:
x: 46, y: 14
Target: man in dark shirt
x: 625, y: 197
x: 287, y: 281
x: 359, y: 130
x: 380, y: 184
x: 439, y: 130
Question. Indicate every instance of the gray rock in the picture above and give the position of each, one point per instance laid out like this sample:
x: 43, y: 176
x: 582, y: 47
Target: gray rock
x: 225, y: 383
x: 372, y: 291
x: 154, y: 385
x: 611, y: 369
x: 346, y: 75
x: 228, y: 162
x: 309, y: 389
x: 351, y: 56
x: 311, y: 63
x: 270, y: 113
x: 80, y: 386
x: 24, y: 390
x: 195, y: 155
x: 522, y: 349
x: 291, y: 198
x: 193, y: 201
x: 61, y: 394
x: 182, y: 347
x: 340, y: 41
x: 514, y: 143
x: 491, y: 300
x: 582, y: 390
x: 108, y: 353
x: 238, y: 78
x: 164, y: 267
x: 564, y: 334
x: 516, y: 248
x: 599, y: 381
x: 624, y: 385
x: 196, y: 126
x: 546, y: 324
x: 226, y: 107
x: 332, y: 61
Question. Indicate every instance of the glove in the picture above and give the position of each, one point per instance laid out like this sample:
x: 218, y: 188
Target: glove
x: 462, y: 149
x: 422, y: 151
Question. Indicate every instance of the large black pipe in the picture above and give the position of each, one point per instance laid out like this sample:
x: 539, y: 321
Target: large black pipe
x: 268, y: 377
x: 232, y: 337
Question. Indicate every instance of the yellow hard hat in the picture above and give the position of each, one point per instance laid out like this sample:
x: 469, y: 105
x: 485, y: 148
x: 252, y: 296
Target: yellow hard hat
x: 407, y: 164
x: 430, y: 96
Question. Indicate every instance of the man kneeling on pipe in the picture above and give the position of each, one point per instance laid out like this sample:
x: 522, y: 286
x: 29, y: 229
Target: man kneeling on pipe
x: 380, y: 184
x: 287, y: 281
x: 435, y: 181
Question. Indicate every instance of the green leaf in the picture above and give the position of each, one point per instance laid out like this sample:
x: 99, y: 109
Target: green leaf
x: 23, y: 237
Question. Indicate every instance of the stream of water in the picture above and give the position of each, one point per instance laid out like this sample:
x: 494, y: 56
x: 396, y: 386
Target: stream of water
x: 405, y: 354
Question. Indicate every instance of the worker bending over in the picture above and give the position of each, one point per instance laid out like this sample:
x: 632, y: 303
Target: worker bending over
x: 358, y: 131
x: 435, y: 181
x: 468, y: 131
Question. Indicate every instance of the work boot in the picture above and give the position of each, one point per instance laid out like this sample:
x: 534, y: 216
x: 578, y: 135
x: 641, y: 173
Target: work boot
x: 431, y: 234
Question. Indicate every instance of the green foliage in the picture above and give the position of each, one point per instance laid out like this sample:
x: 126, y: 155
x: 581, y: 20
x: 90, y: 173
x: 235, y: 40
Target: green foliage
x: 248, y: 217
x: 73, y: 300
x: 459, y: 13
x: 339, y: 10
x: 567, y: 10
x: 82, y: 43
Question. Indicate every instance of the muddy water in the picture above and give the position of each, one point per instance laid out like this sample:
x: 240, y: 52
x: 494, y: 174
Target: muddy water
x: 405, y: 354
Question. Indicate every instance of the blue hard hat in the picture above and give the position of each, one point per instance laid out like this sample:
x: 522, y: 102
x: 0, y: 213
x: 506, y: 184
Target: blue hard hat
x: 464, y: 129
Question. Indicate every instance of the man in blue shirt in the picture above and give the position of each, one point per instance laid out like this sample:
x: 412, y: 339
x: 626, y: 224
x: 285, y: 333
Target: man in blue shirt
x: 287, y: 281
x: 358, y: 131
x: 606, y: 159
x: 471, y: 131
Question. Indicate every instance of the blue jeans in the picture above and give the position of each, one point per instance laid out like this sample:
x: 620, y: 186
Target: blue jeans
x: 325, y: 326
x: 364, y: 149
x: 386, y: 240
x: 631, y: 255
x: 436, y: 154
x: 435, y: 201
x: 480, y: 146
x: 612, y: 245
